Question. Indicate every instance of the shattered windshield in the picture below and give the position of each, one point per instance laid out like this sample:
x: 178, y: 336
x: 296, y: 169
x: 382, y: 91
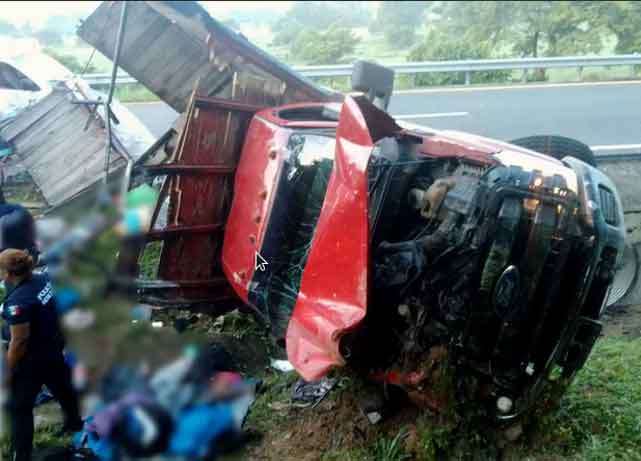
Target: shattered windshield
x: 297, y: 205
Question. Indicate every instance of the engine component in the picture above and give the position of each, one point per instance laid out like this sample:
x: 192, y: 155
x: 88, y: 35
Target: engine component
x: 483, y: 277
x: 429, y: 201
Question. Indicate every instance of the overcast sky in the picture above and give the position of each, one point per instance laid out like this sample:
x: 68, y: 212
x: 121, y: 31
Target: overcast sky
x: 36, y: 13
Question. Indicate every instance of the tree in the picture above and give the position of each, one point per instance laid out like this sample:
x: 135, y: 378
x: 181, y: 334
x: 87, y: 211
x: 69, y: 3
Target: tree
x: 438, y: 48
x: 327, y: 47
x: 525, y: 28
x: 398, y: 22
x: 318, y: 16
x: 285, y: 31
x: 623, y: 19
x: 556, y: 28
x: 482, y: 21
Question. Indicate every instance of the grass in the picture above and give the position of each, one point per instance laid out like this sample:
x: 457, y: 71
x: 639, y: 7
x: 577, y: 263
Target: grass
x: 46, y: 434
x: 592, y: 74
x: 134, y: 93
x: 99, y: 62
x: 262, y: 417
x: 149, y: 260
x: 600, y: 416
x: 391, y: 449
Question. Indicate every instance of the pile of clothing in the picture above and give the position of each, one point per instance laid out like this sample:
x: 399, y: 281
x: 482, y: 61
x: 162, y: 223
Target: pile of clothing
x: 192, y: 408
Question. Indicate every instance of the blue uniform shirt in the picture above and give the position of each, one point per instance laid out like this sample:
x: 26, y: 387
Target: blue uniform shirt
x: 33, y: 301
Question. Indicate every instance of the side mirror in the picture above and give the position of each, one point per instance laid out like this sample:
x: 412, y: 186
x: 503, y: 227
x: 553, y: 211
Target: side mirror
x: 377, y: 82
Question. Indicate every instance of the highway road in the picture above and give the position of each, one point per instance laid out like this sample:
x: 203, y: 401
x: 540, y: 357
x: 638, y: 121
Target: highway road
x: 604, y: 113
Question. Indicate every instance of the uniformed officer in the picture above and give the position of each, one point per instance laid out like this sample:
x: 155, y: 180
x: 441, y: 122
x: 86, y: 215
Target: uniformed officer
x: 34, y: 356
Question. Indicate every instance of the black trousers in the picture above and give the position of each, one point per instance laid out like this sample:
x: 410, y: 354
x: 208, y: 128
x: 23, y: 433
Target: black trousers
x: 26, y: 383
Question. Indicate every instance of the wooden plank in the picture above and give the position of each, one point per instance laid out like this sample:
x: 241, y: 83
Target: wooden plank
x: 61, y: 157
x: 168, y: 46
x: 31, y: 115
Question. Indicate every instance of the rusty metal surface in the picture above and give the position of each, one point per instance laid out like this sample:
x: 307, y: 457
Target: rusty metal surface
x: 187, y: 169
x: 172, y: 47
x: 199, y: 185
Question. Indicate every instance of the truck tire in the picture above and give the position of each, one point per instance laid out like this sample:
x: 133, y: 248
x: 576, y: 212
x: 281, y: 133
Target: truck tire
x: 557, y: 147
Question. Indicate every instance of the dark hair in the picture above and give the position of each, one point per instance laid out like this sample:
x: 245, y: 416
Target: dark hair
x: 18, y: 263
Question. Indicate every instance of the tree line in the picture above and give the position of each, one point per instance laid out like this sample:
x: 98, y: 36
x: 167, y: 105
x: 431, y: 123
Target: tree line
x: 322, y: 32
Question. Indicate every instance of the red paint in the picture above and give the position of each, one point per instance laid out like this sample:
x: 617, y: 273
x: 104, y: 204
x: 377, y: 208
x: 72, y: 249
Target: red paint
x: 255, y: 183
x: 397, y: 378
x: 333, y: 292
x: 472, y: 148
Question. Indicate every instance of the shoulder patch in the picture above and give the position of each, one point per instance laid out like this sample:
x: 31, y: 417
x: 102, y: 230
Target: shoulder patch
x: 14, y: 311
x: 46, y: 294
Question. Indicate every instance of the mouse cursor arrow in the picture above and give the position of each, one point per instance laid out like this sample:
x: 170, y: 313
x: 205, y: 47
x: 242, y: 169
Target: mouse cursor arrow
x: 261, y: 263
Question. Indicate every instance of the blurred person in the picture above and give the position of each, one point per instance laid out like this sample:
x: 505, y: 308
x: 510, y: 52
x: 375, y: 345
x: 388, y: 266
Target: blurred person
x: 17, y: 227
x: 35, y: 352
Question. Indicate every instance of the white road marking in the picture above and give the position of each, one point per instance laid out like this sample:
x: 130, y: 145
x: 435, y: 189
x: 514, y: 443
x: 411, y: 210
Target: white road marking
x: 616, y: 147
x: 432, y: 115
x: 527, y: 86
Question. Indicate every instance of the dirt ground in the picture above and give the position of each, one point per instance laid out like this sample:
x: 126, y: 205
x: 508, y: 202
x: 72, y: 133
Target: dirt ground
x: 623, y: 321
x: 336, y: 424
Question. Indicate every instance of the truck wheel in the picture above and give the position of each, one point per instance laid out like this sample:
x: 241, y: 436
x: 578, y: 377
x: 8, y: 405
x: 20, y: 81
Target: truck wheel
x: 557, y: 147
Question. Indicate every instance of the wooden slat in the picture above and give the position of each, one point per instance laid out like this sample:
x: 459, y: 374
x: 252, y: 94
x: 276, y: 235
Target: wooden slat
x: 53, y: 147
x: 169, y: 46
x: 172, y: 231
x: 167, y: 169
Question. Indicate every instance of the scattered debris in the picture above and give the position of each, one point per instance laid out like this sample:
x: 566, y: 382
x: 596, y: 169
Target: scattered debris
x: 374, y: 417
x: 282, y: 365
x: 311, y: 394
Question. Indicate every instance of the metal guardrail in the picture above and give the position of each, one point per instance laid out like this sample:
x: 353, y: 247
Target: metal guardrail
x: 617, y: 153
x: 467, y: 66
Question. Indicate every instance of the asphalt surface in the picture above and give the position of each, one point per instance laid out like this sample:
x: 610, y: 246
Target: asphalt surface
x: 607, y: 113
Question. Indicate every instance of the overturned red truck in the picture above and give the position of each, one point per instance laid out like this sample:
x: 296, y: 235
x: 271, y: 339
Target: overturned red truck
x: 357, y: 241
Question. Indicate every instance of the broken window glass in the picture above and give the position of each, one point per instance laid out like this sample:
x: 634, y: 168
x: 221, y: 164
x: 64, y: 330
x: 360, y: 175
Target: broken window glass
x: 295, y: 211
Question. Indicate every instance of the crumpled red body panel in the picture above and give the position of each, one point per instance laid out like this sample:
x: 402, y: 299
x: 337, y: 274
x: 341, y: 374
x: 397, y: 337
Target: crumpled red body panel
x: 333, y: 292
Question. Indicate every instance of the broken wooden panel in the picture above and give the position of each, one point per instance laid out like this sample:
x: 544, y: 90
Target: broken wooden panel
x: 199, y: 186
x: 61, y: 151
x: 173, y: 47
